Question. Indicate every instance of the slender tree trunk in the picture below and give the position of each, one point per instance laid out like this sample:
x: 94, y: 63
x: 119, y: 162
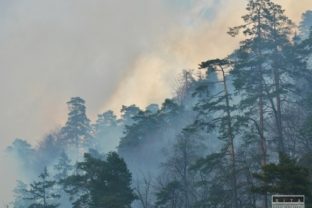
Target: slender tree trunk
x: 276, y: 75
x: 263, y: 142
x: 261, y: 104
x: 262, y: 138
x: 231, y: 140
x: 44, y: 199
x: 279, y: 113
x: 185, y: 174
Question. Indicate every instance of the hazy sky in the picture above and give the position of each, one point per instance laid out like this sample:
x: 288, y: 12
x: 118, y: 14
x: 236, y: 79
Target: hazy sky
x: 109, y: 52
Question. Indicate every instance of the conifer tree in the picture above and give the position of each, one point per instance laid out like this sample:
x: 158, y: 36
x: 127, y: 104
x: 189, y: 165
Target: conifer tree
x: 222, y: 106
x: 100, y: 183
x: 77, y: 131
x: 42, y: 193
x: 285, y: 178
x: 261, y: 65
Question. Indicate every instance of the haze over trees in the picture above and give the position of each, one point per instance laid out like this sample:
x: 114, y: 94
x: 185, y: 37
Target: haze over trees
x: 238, y: 130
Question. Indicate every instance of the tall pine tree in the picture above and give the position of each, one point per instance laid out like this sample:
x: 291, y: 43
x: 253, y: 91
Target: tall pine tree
x: 77, y: 132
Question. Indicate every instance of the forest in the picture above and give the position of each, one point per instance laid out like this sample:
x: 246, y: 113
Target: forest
x: 237, y: 131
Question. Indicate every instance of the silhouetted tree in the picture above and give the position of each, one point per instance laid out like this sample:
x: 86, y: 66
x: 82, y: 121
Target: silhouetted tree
x: 287, y: 177
x: 101, y: 183
x: 77, y: 132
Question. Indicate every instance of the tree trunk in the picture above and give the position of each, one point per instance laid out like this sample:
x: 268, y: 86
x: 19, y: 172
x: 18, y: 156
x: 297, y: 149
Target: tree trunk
x: 230, y: 140
x: 261, y: 104
x: 278, y: 95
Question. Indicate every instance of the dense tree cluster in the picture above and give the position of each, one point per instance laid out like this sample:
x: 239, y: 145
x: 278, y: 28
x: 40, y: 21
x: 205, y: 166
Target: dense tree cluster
x: 237, y: 131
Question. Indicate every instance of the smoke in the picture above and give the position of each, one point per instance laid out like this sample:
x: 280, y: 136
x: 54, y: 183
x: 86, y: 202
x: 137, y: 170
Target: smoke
x: 9, y: 173
x: 53, y: 50
x: 293, y: 9
x: 198, y: 36
x: 108, y: 52
x: 184, y: 46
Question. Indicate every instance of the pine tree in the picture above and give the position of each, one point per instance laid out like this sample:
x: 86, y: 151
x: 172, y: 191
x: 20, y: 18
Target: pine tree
x: 263, y: 73
x: 144, y: 124
x: 100, y: 183
x: 285, y: 178
x: 220, y: 104
x: 128, y: 114
x: 77, y: 131
x: 105, y: 120
x: 42, y: 193
x: 136, y: 133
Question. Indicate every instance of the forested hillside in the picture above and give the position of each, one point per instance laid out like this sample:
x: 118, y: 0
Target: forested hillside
x: 237, y: 130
